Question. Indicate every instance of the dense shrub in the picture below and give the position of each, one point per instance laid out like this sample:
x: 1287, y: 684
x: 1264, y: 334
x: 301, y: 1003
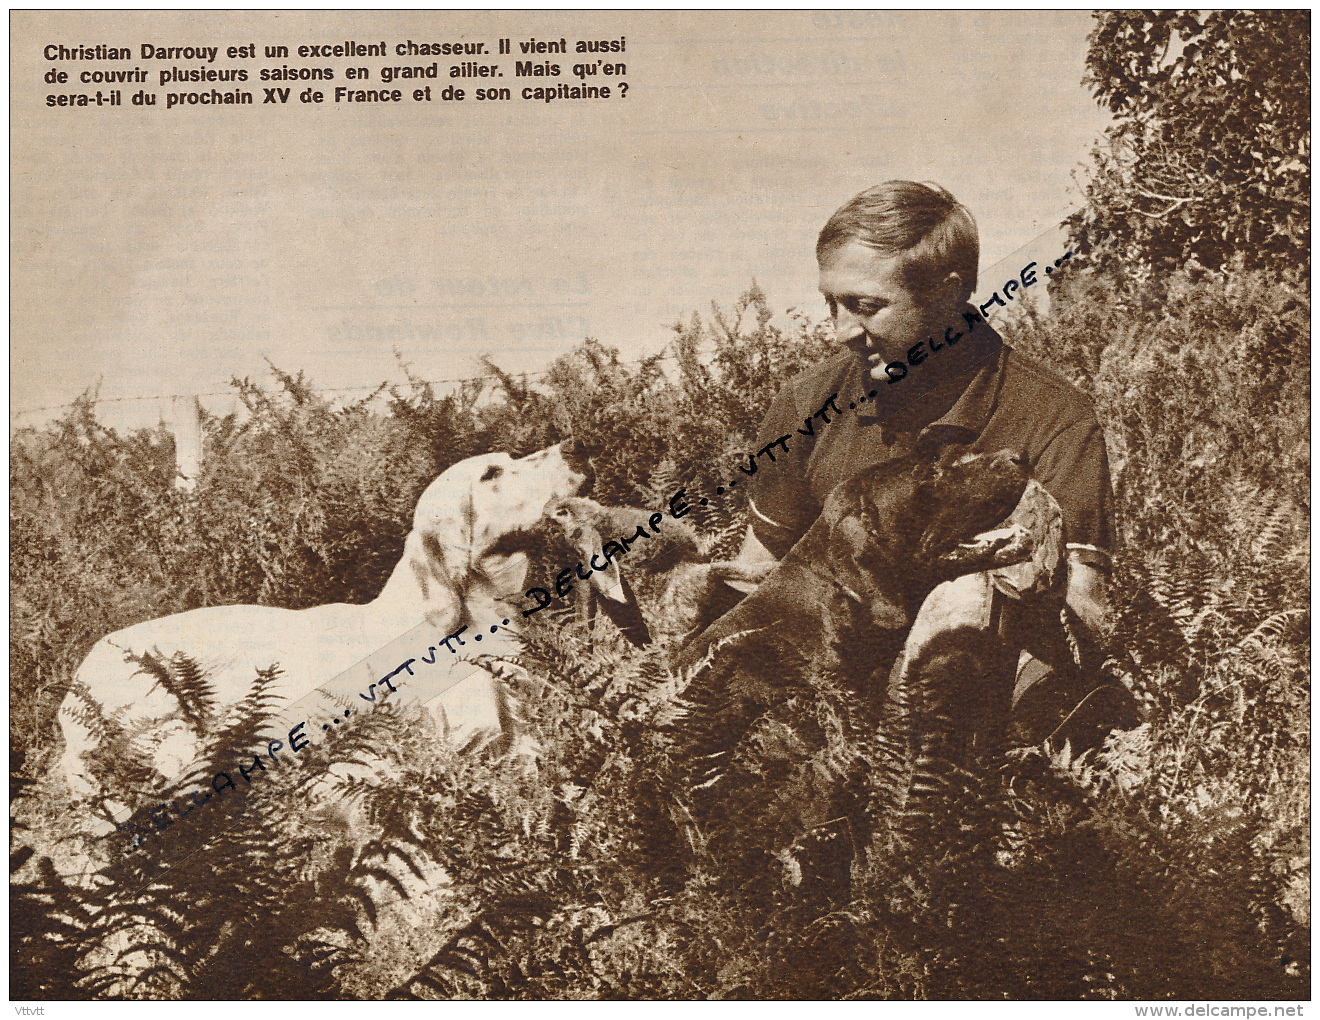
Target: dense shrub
x: 1208, y: 156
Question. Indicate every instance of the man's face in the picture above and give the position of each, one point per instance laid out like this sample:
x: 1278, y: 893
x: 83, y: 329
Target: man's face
x: 875, y: 315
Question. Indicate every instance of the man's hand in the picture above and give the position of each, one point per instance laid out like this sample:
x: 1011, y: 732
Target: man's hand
x: 753, y: 551
x: 1047, y: 697
x: 726, y: 582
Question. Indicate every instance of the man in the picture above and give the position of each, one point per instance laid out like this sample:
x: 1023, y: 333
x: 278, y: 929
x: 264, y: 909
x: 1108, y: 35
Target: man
x: 898, y: 265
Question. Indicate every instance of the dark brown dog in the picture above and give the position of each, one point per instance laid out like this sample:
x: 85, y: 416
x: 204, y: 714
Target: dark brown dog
x: 842, y: 599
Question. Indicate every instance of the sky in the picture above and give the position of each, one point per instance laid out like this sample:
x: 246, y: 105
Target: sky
x: 163, y: 251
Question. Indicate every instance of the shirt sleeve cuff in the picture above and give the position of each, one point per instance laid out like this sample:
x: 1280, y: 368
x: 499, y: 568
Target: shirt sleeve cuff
x: 1091, y: 555
x: 762, y: 517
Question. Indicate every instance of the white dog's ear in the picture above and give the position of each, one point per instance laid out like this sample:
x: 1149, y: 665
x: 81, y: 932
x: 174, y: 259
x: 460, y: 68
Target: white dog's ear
x: 445, y: 521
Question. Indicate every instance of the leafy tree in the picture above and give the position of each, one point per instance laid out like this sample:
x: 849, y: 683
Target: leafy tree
x: 1209, y: 156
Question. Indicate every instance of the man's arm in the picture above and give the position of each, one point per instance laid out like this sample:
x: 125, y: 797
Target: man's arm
x: 1075, y: 470
x: 1088, y: 597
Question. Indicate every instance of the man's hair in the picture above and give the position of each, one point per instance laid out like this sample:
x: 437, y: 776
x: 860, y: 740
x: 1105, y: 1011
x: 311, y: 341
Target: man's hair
x: 928, y: 228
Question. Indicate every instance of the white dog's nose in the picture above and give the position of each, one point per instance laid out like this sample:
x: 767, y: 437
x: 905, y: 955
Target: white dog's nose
x: 576, y: 457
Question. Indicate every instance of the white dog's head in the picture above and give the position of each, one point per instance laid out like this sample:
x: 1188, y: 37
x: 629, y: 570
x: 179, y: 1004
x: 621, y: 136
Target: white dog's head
x: 473, y: 510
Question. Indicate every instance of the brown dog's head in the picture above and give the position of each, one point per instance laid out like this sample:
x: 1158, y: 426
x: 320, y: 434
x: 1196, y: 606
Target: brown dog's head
x: 964, y: 494
x: 889, y: 526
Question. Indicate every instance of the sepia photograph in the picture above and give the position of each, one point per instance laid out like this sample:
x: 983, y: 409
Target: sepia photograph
x: 660, y: 505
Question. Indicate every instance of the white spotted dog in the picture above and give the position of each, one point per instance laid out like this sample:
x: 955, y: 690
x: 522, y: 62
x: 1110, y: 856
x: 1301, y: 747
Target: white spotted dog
x: 461, y: 556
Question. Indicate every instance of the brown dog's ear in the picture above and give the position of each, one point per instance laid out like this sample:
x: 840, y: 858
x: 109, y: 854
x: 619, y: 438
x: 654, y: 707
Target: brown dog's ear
x: 941, y: 520
x: 929, y: 446
x: 848, y: 534
x: 937, y: 540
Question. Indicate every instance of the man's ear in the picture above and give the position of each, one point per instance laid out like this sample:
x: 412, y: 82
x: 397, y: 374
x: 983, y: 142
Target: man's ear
x: 948, y: 296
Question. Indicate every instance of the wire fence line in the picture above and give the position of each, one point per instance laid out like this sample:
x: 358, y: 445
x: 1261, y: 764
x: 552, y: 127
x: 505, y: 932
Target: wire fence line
x: 231, y: 391
x: 16, y: 413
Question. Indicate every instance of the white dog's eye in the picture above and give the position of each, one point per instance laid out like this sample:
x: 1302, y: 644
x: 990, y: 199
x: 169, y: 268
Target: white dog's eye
x: 494, y: 471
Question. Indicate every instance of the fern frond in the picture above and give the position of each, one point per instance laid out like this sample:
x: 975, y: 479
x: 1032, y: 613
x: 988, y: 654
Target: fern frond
x: 184, y: 679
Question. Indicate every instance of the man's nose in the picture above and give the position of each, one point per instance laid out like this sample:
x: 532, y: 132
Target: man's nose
x: 847, y: 327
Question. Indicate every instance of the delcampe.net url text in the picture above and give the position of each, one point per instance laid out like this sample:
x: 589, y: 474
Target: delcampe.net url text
x: 1248, y: 1011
